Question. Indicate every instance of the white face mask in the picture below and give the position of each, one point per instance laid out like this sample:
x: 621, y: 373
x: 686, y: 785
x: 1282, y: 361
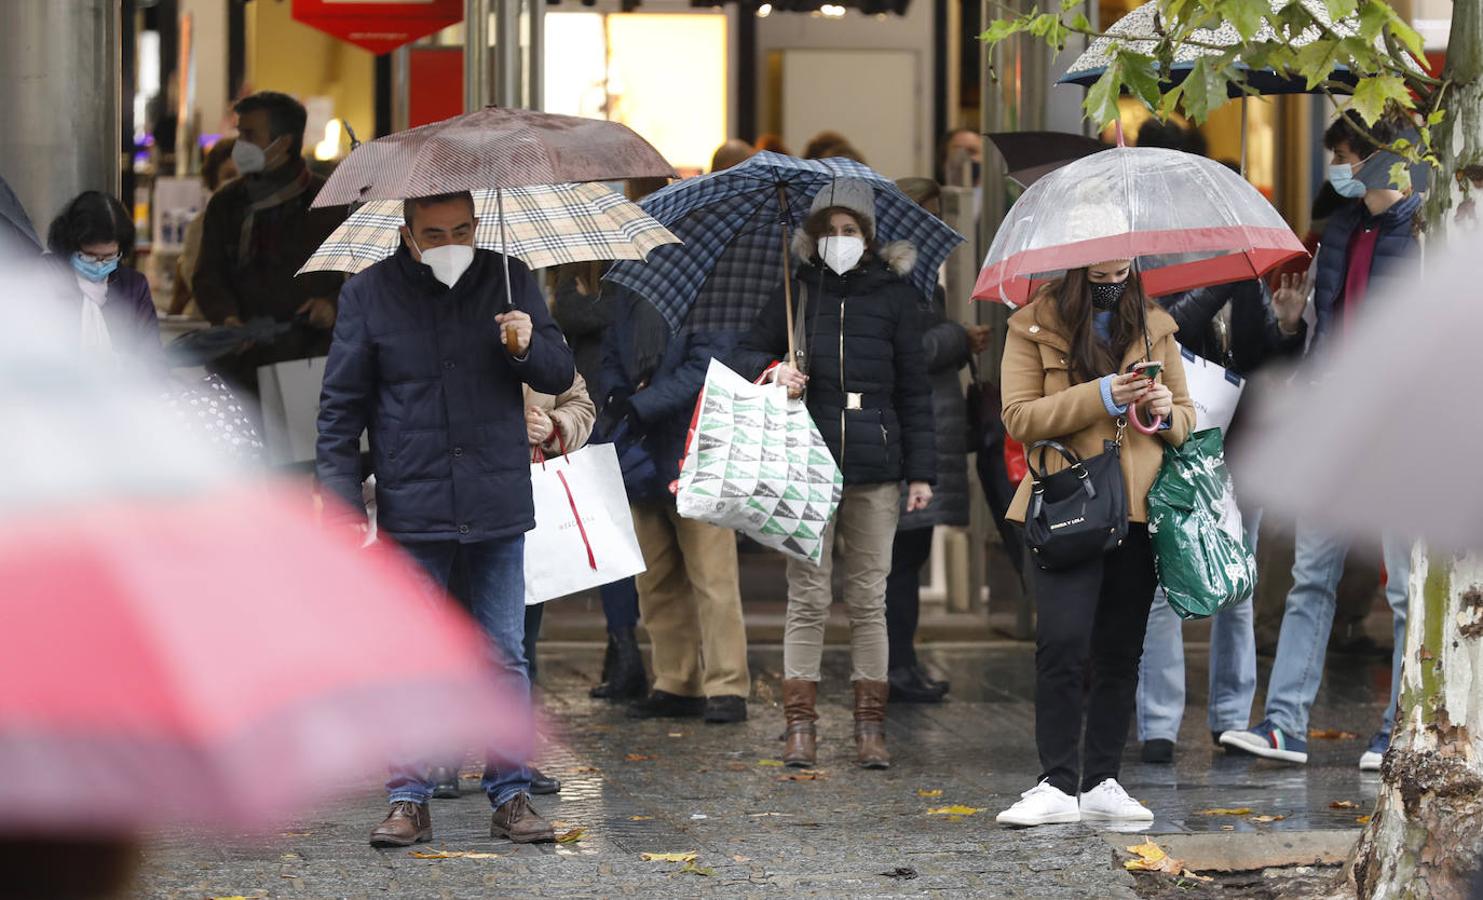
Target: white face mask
x: 248, y: 157
x: 448, y: 262
x: 841, y: 253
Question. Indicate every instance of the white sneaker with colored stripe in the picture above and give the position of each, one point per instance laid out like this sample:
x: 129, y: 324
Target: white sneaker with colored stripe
x: 1269, y: 742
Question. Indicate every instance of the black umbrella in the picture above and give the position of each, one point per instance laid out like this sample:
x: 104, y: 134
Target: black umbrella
x: 1030, y: 155
x: 16, y: 231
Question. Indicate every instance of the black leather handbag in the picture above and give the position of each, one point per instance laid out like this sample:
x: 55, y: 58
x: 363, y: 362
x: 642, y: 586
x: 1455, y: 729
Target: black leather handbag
x: 1080, y: 512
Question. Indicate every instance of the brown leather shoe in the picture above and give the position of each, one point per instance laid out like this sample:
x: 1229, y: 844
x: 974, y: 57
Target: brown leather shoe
x: 799, y: 696
x: 870, y: 724
x: 408, y: 823
x: 517, y: 821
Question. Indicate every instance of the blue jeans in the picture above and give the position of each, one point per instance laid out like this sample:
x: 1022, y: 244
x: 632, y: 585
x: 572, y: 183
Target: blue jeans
x: 620, y: 605
x: 496, y: 588
x: 1232, y: 664
x: 1298, y: 670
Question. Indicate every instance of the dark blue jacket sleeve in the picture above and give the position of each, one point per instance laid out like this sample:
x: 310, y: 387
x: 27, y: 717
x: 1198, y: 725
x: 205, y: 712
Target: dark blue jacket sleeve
x: 346, y: 400
x: 548, y: 366
x: 675, y: 393
x: 913, y: 400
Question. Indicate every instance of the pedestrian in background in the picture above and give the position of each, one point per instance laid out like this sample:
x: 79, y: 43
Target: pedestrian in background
x: 859, y: 326
x: 947, y: 346
x: 216, y: 170
x: 1066, y: 378
x: 732, y: 153
x: 690, y: 593
x: 1240, y: 326
x: 258, y: 231
x: 420, y: 362
x: 1368, y: 244
x: 112, y: 302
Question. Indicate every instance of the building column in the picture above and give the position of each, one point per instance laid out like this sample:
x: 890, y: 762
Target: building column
x: 60, y: 125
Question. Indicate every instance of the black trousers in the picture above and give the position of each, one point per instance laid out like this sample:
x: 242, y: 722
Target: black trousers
x: 1096, y: 613
x: 909, y: 552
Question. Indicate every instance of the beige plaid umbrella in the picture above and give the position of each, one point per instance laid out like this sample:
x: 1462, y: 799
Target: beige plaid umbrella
x: 545, y: 225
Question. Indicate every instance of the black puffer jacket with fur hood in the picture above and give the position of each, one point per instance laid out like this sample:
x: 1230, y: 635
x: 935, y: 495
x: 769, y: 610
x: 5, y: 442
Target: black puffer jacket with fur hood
x: 868, y: 389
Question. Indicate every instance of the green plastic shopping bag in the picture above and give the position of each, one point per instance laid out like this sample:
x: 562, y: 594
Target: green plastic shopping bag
x: 1199, y: 545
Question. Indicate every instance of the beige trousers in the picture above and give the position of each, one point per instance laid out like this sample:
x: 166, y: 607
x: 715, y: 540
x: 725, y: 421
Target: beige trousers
x: 690, y: 604
x: 862, y: 532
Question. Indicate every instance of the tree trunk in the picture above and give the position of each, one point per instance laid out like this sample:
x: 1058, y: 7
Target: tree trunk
x: 1426, y: 835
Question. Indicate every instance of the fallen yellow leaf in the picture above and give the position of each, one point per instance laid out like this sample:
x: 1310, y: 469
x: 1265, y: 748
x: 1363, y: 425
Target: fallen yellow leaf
x: 1265, y: 819
x: 586, y: 770
x: 929, y: 795
x: 738, y: 766
x: 1363, y: 820
x: 1343, y: 804
x: 677, y: 734
x: 638, y: 757
x: 640, y: 818
x: 1330, y: 734
x: 805, y: 775
x: 1222, y: 811
x: 770, y: 763
x: 1150, y: 857
x: 571, y: 837
x: 741, y: 859
x: 452, y: 854
x: 686, y: 857
x: 953, y: 811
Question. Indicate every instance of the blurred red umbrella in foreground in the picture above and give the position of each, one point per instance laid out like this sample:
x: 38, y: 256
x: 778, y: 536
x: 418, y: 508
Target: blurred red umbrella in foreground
x: 184, y: 644
x: 219, y: 659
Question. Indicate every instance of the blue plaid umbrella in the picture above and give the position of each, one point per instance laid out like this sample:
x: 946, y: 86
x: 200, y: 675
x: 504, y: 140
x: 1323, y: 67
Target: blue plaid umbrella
x: 734, y: 226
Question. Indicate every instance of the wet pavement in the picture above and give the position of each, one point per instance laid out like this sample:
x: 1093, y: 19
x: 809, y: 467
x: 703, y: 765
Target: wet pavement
x: 717, y: 791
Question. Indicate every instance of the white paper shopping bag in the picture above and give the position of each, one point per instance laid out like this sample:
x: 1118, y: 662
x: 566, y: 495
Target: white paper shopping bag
x: 584, y: 535
x: 1214, y: 389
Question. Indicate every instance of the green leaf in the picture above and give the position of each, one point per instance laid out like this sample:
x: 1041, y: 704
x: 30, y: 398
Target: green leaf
x: 1373, y: 16
x: 1140, y: 78
x: 1340, y: 9
x: 1001, y: 29
x: 1400, y: 176
x: 1170, y: 102
x: 1247, y: 15
x: 1371, y: 95
x: 1049, y: 28
x: 1101, y: 99
x: 1204, y: 90
x: 1436, y: 117
x: 1315, y: 61
x: 1081, y: 23
x: 1068, y: 5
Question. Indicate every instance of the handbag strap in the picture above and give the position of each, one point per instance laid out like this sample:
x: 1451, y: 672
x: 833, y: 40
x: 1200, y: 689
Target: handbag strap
x: 1066, y: 453
x: 800, y: 345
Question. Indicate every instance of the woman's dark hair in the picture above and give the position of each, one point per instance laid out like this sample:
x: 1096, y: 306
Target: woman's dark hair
x: 92, y: 217
x: 579, y: 274
x: 1091, y: 358
x: 817, y: 225
x: 216, y: 157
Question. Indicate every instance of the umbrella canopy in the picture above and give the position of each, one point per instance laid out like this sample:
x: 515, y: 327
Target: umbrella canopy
x: 185, y: 644
x: 16, y: 232
x: 1191, y: 221
x: 1139, y: 29
x: 1031, y: 155
x: 731, y: 256
x: 1338, y: 453
x: 491, y: 148
x: 545, y: 225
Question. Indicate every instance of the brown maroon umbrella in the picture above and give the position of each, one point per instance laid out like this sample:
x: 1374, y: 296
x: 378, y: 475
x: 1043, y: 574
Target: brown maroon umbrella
x: 490, y: 149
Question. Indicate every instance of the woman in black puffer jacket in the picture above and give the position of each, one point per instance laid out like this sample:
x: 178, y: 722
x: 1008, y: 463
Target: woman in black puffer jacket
x: 868, y: 392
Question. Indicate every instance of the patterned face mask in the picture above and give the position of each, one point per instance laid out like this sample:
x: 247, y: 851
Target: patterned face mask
x: 1105, y: 296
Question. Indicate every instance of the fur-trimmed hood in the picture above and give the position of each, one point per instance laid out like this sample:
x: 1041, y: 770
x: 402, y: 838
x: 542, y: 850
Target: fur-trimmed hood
x: 899, y: 256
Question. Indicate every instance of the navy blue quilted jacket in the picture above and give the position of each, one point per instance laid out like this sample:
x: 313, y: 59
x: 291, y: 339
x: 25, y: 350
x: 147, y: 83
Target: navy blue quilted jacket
x: 1396, y: 265
x: 423, y: 368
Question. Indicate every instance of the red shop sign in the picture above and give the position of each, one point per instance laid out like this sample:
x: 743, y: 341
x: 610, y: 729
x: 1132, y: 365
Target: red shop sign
x: 379, y: 26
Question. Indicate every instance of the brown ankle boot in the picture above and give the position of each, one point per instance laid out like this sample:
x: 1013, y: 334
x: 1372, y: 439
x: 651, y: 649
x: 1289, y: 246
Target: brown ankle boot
x: 406, y: 824
x: 870, y: 724
x: 799, y: 696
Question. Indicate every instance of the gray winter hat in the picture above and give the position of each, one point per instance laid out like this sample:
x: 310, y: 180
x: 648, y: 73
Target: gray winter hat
x: 853, y: 194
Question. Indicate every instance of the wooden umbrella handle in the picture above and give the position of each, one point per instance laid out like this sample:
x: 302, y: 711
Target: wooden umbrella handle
x: 512, y: 340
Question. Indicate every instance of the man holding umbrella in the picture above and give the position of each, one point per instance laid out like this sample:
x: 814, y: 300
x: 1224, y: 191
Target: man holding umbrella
x: 421, y: 358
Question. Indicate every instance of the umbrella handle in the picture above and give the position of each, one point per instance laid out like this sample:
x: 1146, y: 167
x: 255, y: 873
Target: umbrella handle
x: 1152, y: 428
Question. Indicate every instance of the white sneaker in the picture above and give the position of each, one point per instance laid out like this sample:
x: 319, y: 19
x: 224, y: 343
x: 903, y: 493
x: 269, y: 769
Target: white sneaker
x: 1108, y: 802
x: 1369, y: 761
x: 1041, y: 805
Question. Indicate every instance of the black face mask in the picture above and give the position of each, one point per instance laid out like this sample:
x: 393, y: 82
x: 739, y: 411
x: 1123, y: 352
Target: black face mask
x: 1105, y: 296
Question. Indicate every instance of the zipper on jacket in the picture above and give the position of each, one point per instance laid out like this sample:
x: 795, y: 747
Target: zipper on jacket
x: 842, y: 384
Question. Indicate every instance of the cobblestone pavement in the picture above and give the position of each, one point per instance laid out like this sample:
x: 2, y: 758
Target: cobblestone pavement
x: 717, y: 791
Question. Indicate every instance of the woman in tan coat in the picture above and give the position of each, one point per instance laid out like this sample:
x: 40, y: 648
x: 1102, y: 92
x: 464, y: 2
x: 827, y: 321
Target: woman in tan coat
x: 1066, y: 377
